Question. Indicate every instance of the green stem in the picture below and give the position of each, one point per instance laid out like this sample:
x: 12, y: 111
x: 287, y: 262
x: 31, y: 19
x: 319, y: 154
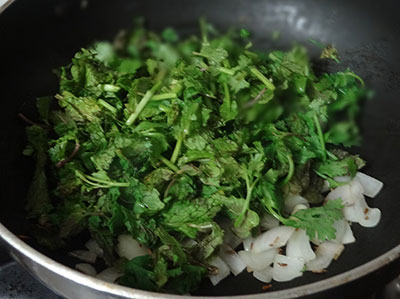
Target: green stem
x: 320, y: 135
x: 164, y: 96
x: 290, y: 172
x: 169, y: 164
x: 227, y: 95
x: 88, y: 179
x: 249, y: 190
x: 332, y: 156
x: 177, y: 149
x: 351, y: 74
x: 262, y: 78
x: 225, y: 70
x: 143, y: 102
x: 107, y: 106
x: 275, y: 214
x: 110, y: 87
x: 83, y: 178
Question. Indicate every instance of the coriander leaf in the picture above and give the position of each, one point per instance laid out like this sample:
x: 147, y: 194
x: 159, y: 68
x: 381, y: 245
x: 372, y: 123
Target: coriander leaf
x: 318, y: 221
x: 138, y: 273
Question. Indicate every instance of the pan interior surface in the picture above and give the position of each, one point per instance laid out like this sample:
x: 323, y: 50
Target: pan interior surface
x: 42, y: 35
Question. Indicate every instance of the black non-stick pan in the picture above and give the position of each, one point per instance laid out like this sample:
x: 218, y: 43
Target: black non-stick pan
x: 38, y: 36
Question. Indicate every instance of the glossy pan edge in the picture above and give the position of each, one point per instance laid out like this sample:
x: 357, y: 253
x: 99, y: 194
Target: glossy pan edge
x: 73, y: 284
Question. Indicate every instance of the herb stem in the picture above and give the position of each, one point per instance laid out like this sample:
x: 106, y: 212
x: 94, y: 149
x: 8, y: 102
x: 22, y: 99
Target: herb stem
x: 143, y: 102
x: 164, y: 96
x: 290, y: 172
x: 94, y: 181
x: 249, y: 190
x: 225, y: 70
x: 320, y: 135
x: 227, y: 95
x: 262, y: 78
x: 107, y: 106
x: 169, y: 164
x: 351, y: 74
x: 177, y: 149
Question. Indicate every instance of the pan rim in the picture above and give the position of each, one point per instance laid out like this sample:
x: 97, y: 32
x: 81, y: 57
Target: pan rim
x: 113, y: 289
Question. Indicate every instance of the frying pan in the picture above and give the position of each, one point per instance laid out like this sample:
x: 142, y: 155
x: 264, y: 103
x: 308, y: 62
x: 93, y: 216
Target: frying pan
x: 38, y: 36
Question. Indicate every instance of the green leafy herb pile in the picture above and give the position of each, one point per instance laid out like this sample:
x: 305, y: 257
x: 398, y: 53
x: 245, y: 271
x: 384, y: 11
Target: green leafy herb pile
x: 161, y: 138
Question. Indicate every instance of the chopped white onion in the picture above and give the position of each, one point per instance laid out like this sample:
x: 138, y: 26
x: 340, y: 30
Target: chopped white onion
x: 326, y: 187
x: 348, y: 236
x: 340, y: 227
x: 293, y: 200
x: 93, y: 246
x: 129, y: 248
x: 299, y: 207
x: 360, y: 212
x: 273, y: 238
x: 264, y: 275
x: 299, y: 246
x: 268, y: 221
x: 324, y: 255
x: 371, y: 217
x: 286, y: 268
x: 84, y: 255
x: 349, y: 193
x: 370, y: 185
x: 109, y: 274
x: 248, y: 243
x: 232, y: 259
x: 258, y: 261
x: 342, y: 179
x: 86, y: 268
x: 223, y: 270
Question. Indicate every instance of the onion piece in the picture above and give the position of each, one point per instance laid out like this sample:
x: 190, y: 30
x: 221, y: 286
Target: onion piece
x: 258, y: 261
x: 232, y: 259
x: 326, y: 187
x: 84, y: 255
x: 248, y: 243
x: 340, y: 227
x: 109, y: 274
x: 342, y: 179
x: 268, y: 221
x: 293, y: 200
x: 223, y: 270
x: 129, y: 248
x: 339, y: 179
x: 349, y: 193
x: 264, y: 275
x: 299, y: 207
x: 86, y: 268
x: 324, y: 254
x: 370, y: 185
x: 371, y: 217
x: 273, y: 238
x: 299, y: 246
x: 348, y: 236
x: 286, y: 268
x: 360, y: 212
x: 94, y: 247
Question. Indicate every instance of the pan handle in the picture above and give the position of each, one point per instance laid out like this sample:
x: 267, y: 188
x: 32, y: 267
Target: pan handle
x: 4, y: 4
